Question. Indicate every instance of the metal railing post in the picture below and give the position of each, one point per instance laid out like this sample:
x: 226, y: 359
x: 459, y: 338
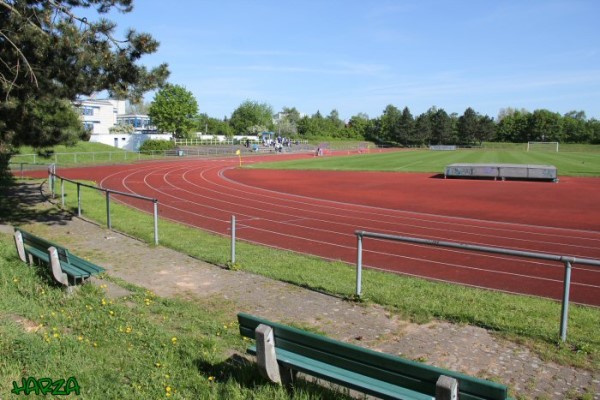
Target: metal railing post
x: 78, y: 200
x: 50, y: 177
x: 233, y: 239
x: 359, y: 264
x: 108, y: 222
x: 564, y: 319
x: 155, y: 222
x: 62, y: 192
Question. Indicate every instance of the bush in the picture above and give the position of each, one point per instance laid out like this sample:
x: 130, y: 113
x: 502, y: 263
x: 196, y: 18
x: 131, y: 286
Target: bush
x: 157, y: 145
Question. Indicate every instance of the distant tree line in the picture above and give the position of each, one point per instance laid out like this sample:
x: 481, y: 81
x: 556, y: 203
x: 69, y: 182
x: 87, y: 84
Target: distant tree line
x: 436, y: 126
x: 395, y: 127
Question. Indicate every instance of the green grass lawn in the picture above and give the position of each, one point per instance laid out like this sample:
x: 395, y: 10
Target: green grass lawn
x: 140, y: 346
x: 580, y: 163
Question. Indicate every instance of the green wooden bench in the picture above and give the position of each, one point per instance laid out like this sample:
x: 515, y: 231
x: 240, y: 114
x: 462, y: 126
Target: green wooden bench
x: 282, y: 351
x: 67, y: 268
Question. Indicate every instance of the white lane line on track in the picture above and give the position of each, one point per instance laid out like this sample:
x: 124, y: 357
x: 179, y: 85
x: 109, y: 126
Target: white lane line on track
x: 312, y: 205
x: 478, y: 223
x: 270, y: 231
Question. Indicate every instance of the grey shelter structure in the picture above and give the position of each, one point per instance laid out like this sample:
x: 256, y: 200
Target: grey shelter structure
x: 502, y: 171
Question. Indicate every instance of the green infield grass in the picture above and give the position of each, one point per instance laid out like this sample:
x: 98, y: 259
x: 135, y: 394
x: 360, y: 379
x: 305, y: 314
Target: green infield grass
x: 568, y: 163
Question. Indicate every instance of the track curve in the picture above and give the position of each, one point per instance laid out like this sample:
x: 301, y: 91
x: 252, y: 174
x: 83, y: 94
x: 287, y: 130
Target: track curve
x: 318, y: 213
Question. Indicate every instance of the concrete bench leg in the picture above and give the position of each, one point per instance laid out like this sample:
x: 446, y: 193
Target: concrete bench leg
x: 57, y: 272
x: 20, y: 246
x: 265, y: 353
x: 446, y: 388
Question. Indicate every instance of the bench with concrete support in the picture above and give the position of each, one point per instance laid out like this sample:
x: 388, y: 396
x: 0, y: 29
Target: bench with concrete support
x: 66, y: 268
x: 502, y: 171
x: 283, y: 351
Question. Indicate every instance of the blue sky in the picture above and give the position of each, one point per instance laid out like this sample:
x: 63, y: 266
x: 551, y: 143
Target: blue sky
x: 360, y: 56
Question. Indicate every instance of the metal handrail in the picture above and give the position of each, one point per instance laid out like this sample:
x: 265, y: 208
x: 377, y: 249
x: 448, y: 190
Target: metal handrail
x: 568, y: 261
x: 52, y: 176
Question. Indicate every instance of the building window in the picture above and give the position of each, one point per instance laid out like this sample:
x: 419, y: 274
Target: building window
x: 87, y: 110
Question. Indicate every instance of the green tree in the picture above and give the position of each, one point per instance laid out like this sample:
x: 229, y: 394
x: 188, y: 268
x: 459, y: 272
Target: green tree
x: 575, y: 127
x: 390, y: 124
x: 335, y: 127
x: 423, y: 129
x: 174, y: 109
x: 487, y: 129
x: 512, y: 125
x: 441, y: 126
x: 406, y: 127
x: 545, y: 126
x: 594, y: 127
x: 49, y: 56
x: 360, y: 126
x: 213, y: 126
x: 291, y: 114
x: 251, y: 114
x: 287, y: 125
x: 468, y: 126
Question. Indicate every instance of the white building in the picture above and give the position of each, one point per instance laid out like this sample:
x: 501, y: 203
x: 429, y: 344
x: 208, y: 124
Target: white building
x: 127, y: 141
x: 100, y: 115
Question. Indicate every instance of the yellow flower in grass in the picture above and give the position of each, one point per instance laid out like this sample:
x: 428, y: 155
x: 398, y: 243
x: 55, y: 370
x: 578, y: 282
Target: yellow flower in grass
x: 103, y: 302
x: 80, y: 338
x: 174, y: 340
x: 211, y: 378
x: 128, y: 329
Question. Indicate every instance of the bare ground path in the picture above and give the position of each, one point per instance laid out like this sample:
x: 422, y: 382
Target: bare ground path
x: 468, y: 349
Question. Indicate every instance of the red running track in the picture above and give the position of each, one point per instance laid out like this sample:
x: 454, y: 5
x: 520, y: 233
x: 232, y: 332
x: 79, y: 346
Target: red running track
x: 318, y: 213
